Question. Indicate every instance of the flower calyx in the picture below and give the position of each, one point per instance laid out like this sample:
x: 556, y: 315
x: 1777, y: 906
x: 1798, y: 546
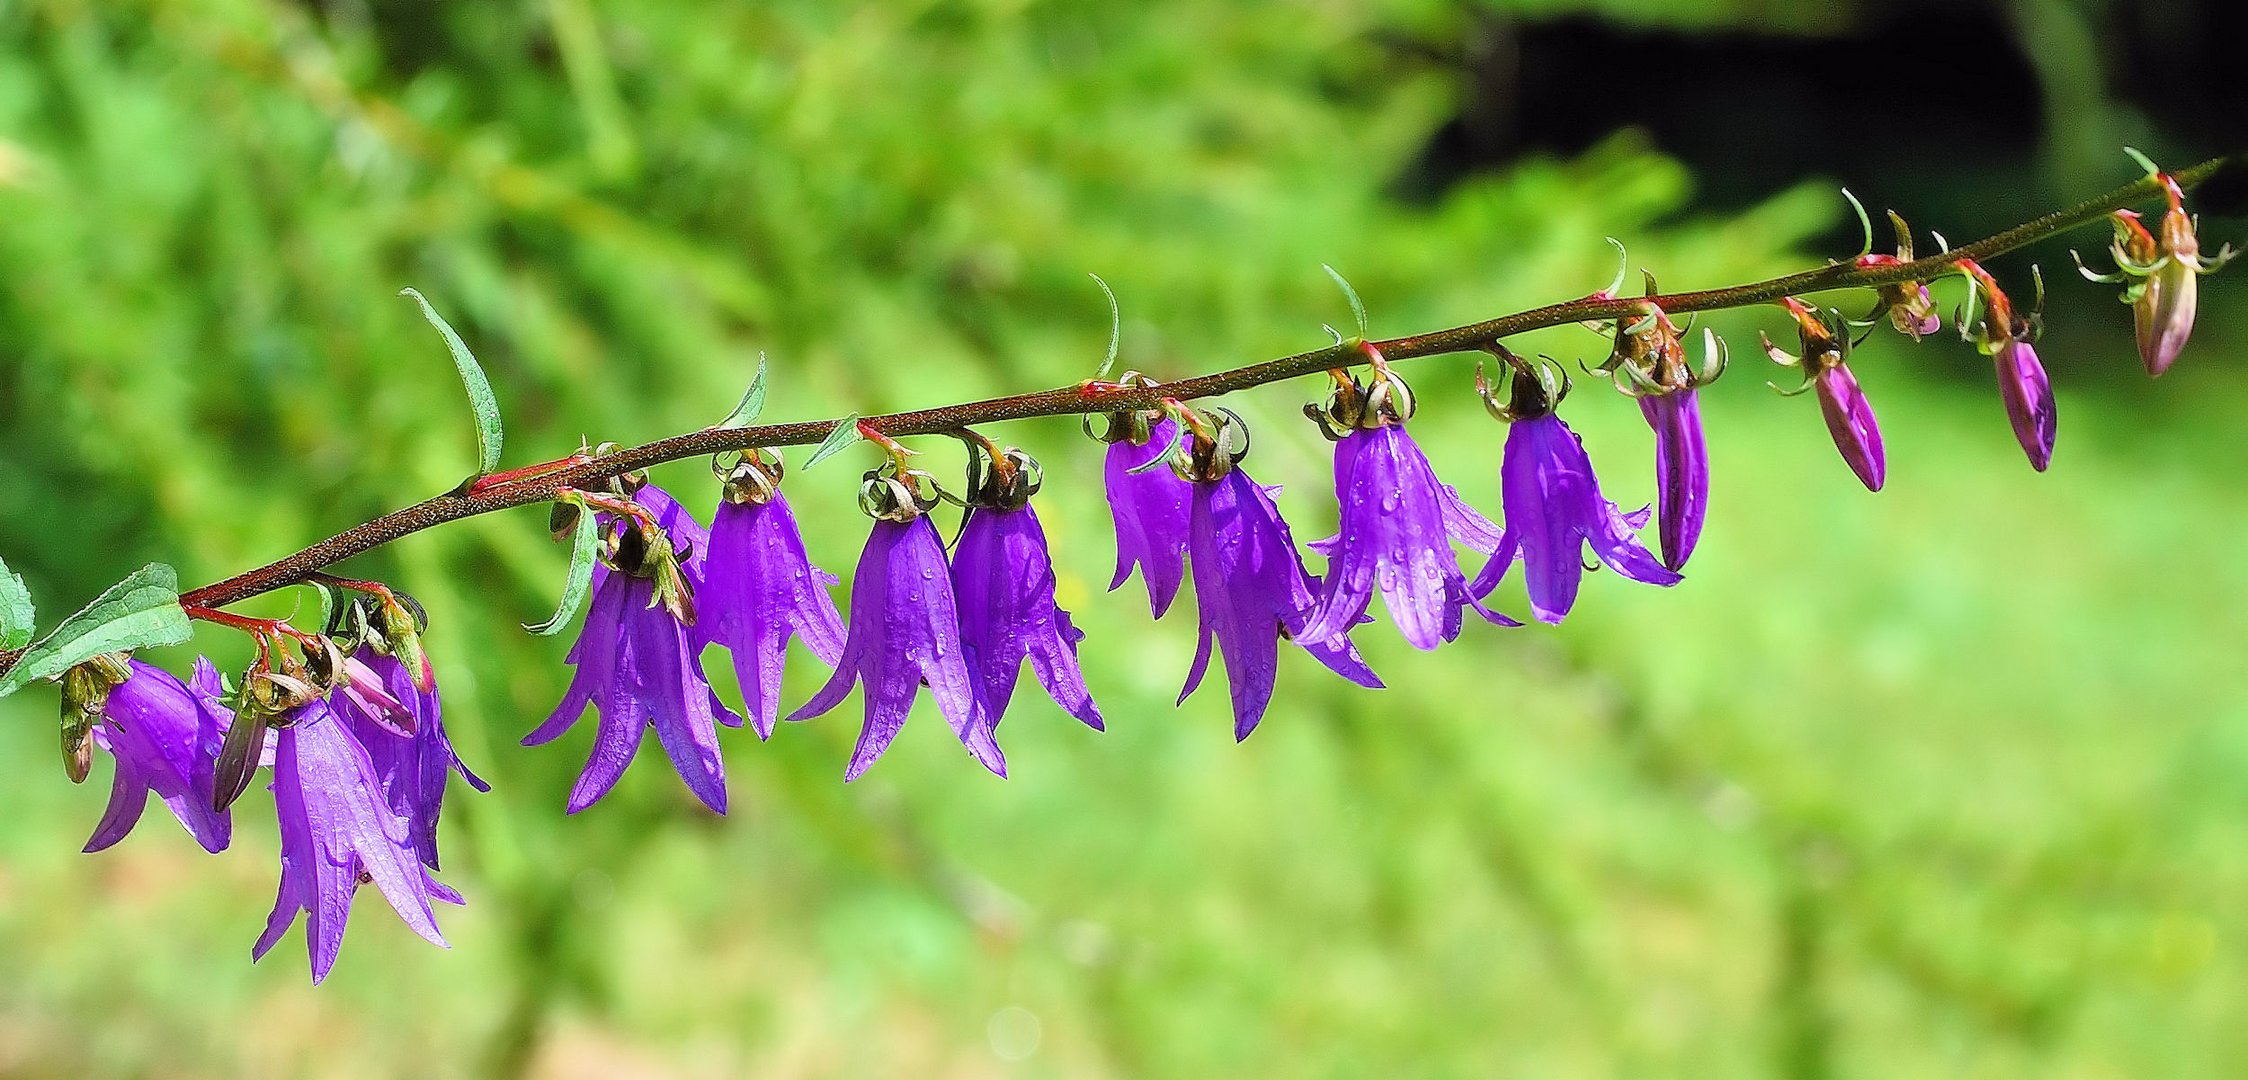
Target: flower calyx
x: 1134, y: 426
x: 1996, y: 324
x: 1382, y: 400
x: 1216, y: 441
x: 1536, y: 389
x: 1649, y: 358
x: 999, y: 478
x: 1905, y: 303
x: 751, y: 477
x: 1823, y: 338
x: 639, y: 547
x: 85, y: 693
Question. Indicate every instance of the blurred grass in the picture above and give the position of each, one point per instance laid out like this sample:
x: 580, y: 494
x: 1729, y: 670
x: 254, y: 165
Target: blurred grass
x: 1938, y: 782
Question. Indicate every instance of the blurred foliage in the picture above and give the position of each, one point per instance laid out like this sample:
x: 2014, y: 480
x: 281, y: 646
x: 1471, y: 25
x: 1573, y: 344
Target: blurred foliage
x: 1939, y: 782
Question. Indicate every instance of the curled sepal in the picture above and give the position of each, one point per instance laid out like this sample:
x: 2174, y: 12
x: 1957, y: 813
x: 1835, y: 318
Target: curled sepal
x: 142, y: 610
x: 481, y: 400
x: 585, y: 535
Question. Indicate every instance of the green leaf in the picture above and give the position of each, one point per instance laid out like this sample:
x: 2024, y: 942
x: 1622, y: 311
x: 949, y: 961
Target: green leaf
x: 1357, y: 306
x: 845, y: 434
x: 583, y: 540
x: 753, y: 401
x: 480, y: 399
x: 1115, y: 327
x: 15, y: 610
x: 143, y: 609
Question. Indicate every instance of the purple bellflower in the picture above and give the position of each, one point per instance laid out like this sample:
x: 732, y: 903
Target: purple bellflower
x: 2022, y: 385
x: 1649, y: 363
x: 1398, y: 525
x: 337, y: 830
x: 164, y: 738
x: 413, y: 767
x: 1003, y: 586
x: 1826, y: 369
x: 1251, y: 588
x: 762, y: 589
x: 904, y: 631
x: 1149, y: 504
x: 635, y: 661
x: 1553, y: 504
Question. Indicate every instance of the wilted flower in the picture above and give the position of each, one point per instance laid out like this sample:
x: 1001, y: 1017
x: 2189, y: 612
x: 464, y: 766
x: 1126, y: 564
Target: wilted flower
x: 1826, y: 368
x: 2163, y: 275
x: 904, y: 632
x: 1649, y: 364
x: 1553, y: 503
x: 337, y: 831
x: 1251, y: 587
x: 2022, y: 385
x: 763, y: 589
x: 164, y: 738
x: 636, y: 665
x: 1398, y: 524
x: 412, y: 768
x: 1003, y: 585
x: 1149, y: 504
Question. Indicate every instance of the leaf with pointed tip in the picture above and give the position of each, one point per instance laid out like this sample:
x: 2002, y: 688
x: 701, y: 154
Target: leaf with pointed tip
x: 15, y: 610
x: 143, y: 609
x: 480, y: 398
x: 1357, y: 306
x: 1115, y: 327
x: 753, y: 401
x: 583, y: 539
x: 846, y: 433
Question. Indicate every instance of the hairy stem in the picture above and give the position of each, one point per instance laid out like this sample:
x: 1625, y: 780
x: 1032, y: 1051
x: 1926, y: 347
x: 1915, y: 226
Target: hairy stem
x: 538, y: 485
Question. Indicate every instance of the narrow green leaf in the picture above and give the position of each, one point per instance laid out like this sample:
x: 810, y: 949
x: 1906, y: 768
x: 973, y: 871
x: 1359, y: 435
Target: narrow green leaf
x: 143, y: 609
x: 753, y: 401
x: 1115, y: 327
x: 583, y: 540
x: 846, y: 433
x: 480, y: 399
x: 15, y: 610
x: 1357, y: 306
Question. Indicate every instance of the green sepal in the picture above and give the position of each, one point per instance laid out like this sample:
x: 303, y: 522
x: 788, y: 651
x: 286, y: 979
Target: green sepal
x: 142, y: 610
x: 480, y: 398
x: 753, y: 401
x: 846, y: 433
x: 584, y: 538
x: 16, y: 614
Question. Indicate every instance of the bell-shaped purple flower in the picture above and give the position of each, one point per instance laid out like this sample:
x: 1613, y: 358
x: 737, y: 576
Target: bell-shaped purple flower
x: 1553, y: 509
x: 1252, y: 588
x: 1150, y: 510
x: 337, y: 830
x: 1849, y: 419
x: 761, y: 590
x: 636, y: 665
x: 411, y: 769
x: 2029, y: 400
x: 1003, y: 585
x: 904, y: 632
x: 1399, y: 523
x: 1681, y: 471
x: 165, y: 739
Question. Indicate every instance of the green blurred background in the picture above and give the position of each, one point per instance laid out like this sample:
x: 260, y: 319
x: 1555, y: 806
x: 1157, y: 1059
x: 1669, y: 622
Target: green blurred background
x: 1941, y: 782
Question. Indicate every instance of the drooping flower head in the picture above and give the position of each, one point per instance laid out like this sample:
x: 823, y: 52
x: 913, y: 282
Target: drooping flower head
x: 636, y: 657
x: 1148, y: 503
x: 1649, y: 364
x: 2162, y: 276
x: 337, y: 831
x: 904, y: 629
x: 163, y: 736
x: 1398, y: 521
x: 1826, y: 369
x: 1003, y: 586
x: 1250, y: 584
x: 762, y: 588
x: 2022, y: 385
x: 1552, y: 502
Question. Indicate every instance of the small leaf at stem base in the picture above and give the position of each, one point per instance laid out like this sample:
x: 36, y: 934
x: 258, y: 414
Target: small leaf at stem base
x: 753, y: 401
x: 845, y: 434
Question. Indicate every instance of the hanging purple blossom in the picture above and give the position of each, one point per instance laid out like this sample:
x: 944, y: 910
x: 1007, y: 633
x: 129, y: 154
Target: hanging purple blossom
x: 905, y: 633
x: 1150, y: 510
x: 1398, y: 525
x: 635, y: 661
x: 337, y: 830
x: 1681, y: 471
x: 1849, y: 420
x: 412, y: 769
x: 763, y: 589
x: 1251, y: 588
x: 2028, y: 396
x: 1554, y: 508
x: 165, y: 740
x: 1003, y: 584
